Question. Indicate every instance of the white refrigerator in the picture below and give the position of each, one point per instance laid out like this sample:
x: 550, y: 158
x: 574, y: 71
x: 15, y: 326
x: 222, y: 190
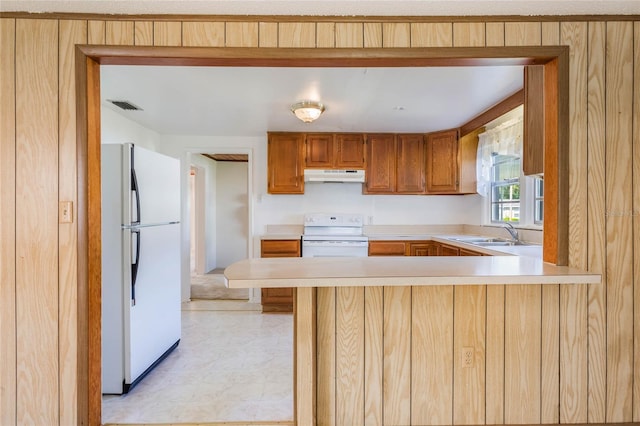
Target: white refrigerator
x: 140, y: 263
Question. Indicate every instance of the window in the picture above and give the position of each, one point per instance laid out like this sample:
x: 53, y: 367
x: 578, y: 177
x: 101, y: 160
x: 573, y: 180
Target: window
x: 505, y: 189
x: 538, y: 200
x: 509, y: 196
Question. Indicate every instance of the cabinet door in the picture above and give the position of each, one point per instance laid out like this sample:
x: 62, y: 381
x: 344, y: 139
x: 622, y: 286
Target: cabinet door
x: 533, y: 137
x: 380, y: 164
x: 423, y: 249
x: 387, y: 248
x: 465, y: 252
x: 319, y: 150
x: 285, y: 163
x: 442, y: 162
x: 349, y: 151
x: 446, y: 250
x: 410, y: 171
x: 278, y: 299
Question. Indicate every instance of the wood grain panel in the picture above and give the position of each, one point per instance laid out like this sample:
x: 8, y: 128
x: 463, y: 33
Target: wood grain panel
x: 573, y: 299
x: 550, y: 33
x: 396, y: 390
x: 37, y: 224
x: 372, y: 34
x: 203, y: 34
x: 432, y: 355
x: 297, y: 34
x: 494, y: 360
x: 268, y: 34
x: 469, y: 34
x: 349, y: 356
x: 326, y: 358
x: 494, y: 33
x: 96, y: 32
x: 522, y: 353
x: 326, y: 34
x: 119, y: 33
x: 619, y: 156
x: 596, y: 234
x: 431, y: 34
x: 522, y: 33
x: 396, y: 34
x: 241, y: 34
x: 8, y: 223
x: 143, y: 33
x: 167, y: 33
x: 469, y: 334
x: 373, y: 355
x: 550, y: 355
x: 304, y: 319
x: 349, y: 34
x: 636, y: 221
x: 71, y: 33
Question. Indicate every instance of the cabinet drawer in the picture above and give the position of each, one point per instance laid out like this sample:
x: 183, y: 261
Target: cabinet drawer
x: 280, y: 248
x: 387, y: 248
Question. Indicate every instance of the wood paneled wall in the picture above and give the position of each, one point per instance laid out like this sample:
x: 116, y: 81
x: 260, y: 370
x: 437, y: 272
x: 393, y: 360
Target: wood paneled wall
x: 543, y: 353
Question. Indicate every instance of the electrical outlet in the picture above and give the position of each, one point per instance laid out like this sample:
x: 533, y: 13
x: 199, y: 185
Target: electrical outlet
x: 468, y: 355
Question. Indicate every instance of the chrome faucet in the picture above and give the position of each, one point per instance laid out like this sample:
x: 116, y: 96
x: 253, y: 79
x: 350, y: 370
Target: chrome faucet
x: 512, y: 231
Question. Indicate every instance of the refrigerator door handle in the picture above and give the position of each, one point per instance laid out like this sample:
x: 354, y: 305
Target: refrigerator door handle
x: 134, y: 265
x: 134, y: 189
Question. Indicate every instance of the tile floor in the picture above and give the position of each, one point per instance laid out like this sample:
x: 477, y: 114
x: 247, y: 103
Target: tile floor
x: 231, y: 366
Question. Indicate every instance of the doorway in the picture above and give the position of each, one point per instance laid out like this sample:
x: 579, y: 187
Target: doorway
x: 88, y: 110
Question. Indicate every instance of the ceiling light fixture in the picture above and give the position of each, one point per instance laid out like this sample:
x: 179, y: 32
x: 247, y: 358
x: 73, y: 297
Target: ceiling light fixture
x: 307, y: 111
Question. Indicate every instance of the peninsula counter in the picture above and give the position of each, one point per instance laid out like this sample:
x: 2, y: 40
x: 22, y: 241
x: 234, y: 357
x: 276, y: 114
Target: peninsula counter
x: 423, y: 340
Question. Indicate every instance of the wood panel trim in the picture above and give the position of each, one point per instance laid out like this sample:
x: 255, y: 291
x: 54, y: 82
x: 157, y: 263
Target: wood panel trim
x: 88, y: 144
x: 321, y: 18
x: 492, y: 113
x: 324, y: 57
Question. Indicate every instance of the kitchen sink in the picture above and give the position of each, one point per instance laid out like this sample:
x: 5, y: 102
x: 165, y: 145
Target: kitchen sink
x: 490, y: 242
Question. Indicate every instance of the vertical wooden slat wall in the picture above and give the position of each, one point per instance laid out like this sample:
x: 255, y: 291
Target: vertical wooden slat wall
x: 7, y: 223
x: 596, y: 231
x: 36, y: 203
x: 541, y: 353
x: 619, y: 196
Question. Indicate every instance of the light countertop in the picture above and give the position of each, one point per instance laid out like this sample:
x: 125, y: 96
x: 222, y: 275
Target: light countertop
x: 400, y: 271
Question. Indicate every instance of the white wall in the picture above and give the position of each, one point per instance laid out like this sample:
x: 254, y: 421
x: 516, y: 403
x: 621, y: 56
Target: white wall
x: 116, y: 128
x: 232, y: 213
x: 209, y: 168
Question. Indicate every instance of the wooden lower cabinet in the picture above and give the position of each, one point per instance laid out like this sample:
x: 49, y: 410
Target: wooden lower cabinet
x: 278, y: 299
x: 423, y: 248
x: 465, y: 252
x: 447, y: 250
x: 387, y: 248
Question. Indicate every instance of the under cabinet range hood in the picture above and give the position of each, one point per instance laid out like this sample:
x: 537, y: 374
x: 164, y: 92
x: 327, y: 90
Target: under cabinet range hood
x: 330, y: 175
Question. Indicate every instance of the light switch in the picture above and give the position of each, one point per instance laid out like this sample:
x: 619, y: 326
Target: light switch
x: 65, y: 212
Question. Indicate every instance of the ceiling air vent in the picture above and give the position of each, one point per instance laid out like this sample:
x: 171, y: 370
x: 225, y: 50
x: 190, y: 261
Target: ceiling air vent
x: 125, y: 105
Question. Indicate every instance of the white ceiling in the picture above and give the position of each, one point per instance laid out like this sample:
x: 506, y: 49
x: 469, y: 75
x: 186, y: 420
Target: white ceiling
x: 249, y: 101
x: 331, y: 7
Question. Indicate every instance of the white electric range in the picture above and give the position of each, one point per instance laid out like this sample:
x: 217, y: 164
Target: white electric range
x: 334, y: 235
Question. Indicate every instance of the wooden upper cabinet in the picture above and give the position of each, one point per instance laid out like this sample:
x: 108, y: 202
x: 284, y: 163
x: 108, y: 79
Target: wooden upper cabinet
x: 380, y: 164
x: 349, y: 151
x: 410, y: 166
x: 334, y: 151
x: 320, y: 151
x: 533, y: 134
x: 442, y: 162
x: 285, y: 163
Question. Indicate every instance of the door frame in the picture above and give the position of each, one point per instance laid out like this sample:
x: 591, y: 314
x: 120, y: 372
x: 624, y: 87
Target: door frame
x: 88, y: 61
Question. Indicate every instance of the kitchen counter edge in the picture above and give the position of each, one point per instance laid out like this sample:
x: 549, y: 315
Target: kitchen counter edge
x: 400, y: 271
